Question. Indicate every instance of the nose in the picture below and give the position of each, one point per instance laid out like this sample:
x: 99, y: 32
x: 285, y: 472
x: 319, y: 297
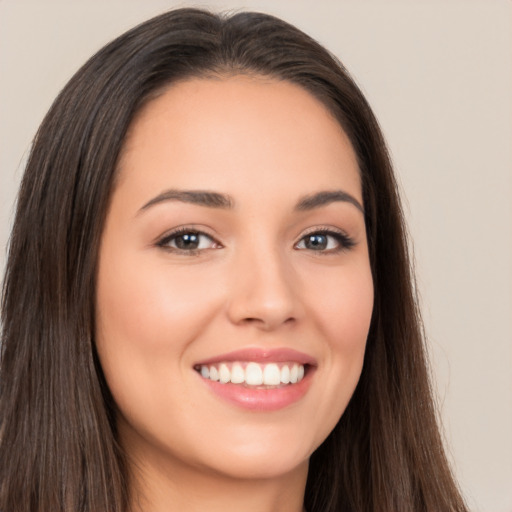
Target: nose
x: 263, y: 291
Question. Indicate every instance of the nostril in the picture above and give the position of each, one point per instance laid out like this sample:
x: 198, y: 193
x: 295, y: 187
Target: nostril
x: 267, y: 322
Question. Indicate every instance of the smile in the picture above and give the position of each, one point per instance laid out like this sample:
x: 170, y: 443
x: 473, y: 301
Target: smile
x: 253, y: 373
x: 258, y: 379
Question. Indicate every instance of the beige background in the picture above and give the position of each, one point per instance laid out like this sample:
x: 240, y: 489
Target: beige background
x: 439, y: 77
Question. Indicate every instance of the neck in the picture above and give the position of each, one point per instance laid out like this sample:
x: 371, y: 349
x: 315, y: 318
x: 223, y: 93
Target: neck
x: 194, y: 490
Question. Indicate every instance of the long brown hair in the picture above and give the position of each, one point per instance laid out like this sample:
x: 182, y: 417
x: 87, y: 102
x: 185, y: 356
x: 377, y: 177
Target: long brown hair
x: 58, y: 446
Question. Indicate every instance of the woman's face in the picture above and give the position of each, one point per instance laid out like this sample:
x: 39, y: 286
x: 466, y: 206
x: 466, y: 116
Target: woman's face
x: 234, y: 249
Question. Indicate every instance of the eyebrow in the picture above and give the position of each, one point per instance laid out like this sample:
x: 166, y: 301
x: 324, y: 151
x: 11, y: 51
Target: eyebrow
x: 327, y: 197
x: 199, y: 197
x: 211, y: 199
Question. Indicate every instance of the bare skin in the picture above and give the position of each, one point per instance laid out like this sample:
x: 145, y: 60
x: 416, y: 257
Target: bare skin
x: 236, y: 224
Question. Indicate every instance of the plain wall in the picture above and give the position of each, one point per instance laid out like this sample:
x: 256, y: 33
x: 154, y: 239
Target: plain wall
x: 439, y: 76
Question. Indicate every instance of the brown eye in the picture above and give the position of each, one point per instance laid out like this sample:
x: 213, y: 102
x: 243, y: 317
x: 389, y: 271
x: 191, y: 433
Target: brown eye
x: 187, y: 241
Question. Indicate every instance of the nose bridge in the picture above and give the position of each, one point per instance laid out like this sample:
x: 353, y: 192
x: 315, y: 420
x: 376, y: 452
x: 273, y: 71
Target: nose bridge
x: 262, y: 286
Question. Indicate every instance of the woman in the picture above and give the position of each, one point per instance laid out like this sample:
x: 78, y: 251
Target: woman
x: 208, y: 299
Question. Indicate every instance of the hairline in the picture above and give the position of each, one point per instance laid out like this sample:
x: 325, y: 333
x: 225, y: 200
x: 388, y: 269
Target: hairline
x: 221, y: 73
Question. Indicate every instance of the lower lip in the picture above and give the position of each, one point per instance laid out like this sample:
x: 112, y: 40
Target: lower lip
x: 261, y: 399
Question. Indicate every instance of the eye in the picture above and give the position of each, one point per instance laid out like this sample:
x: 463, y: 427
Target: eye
x: 325, y: 241
x: 187, y: 241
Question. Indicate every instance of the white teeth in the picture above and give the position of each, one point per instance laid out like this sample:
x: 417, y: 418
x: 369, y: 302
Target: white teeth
x: 237, y: 374
x: 224, y: 374
x: 254, y: 374
x: 294, y: 373
x: 214, y: 374
x: 271, y: 375
x: 285, y: 374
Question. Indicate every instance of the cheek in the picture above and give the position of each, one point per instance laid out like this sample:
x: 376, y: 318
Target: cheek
x: 147, y: 316
x: 343, y: 312
x: 344, y: 306
x: 150, y: 305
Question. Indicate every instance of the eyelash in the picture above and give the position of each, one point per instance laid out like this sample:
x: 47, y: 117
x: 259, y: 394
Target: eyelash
x: 180, y: 232
x: 343, y: 241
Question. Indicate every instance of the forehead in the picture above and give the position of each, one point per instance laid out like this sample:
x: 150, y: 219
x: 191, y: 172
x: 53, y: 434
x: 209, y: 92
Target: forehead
x: 215, y: 132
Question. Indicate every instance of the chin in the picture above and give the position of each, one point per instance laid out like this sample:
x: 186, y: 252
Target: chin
x: 263, y: 455
x: 261, y: 466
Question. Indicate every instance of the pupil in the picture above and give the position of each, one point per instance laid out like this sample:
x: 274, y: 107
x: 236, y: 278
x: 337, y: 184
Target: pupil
x: 316, y: 242
x: 187, y: 241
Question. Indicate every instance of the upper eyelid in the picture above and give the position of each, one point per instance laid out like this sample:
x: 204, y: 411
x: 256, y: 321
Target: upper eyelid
x: 185, y: 229
x: 322, y: 229
x: 345, y: 240
x: 326, y: 230
x: 164, y: 239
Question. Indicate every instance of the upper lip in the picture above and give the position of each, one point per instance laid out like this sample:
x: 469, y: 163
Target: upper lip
x: 262, y: 355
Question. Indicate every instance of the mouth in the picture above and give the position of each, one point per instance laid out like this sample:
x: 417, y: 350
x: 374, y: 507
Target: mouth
x: 259, y: 380
x: 254, y: 374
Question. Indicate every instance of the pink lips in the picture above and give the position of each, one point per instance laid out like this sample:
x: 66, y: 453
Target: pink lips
x: 261, y: 398
x: 279, y: 355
